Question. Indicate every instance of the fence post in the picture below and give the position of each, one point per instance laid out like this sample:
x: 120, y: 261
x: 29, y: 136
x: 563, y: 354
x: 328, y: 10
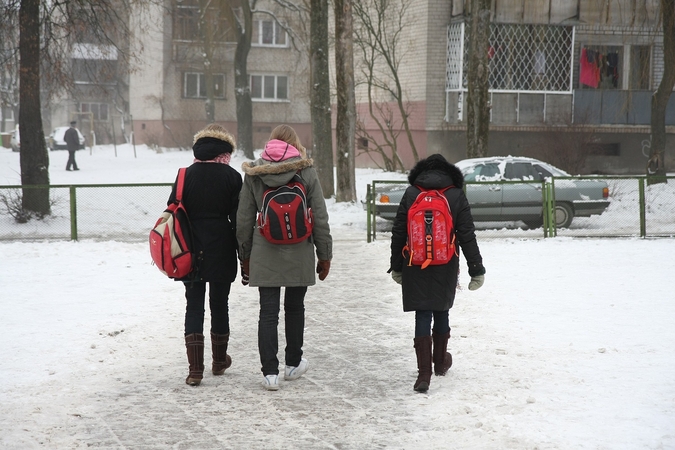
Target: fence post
x: 643, y: 214
x: 373, y: 192
x: 73, y: 214
x: 368, y: 210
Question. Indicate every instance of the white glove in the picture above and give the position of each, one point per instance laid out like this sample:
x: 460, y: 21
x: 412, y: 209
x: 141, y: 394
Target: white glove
x: 397, y: 277
x: 476, y: 282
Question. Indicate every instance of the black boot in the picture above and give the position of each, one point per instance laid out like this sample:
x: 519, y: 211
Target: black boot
x: 194, y: 343
x: 423, y: 351
x: 442, y: 359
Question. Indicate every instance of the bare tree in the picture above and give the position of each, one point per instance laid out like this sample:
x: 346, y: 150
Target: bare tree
x: 378, y: 28
x: 345, y: 127
x: 656, y: 166
x: 48, y: 34
x: 34, y: 160
x: 322, y: 135
x: 478, y: 108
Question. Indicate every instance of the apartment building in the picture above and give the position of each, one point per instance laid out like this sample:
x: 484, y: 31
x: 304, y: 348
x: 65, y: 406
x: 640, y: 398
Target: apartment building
x: 570, y: 81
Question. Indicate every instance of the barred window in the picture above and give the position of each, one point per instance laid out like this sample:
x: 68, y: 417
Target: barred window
x: 522, y: 57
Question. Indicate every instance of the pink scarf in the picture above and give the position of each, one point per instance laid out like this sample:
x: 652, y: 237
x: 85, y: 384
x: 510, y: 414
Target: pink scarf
x: 223, y: 158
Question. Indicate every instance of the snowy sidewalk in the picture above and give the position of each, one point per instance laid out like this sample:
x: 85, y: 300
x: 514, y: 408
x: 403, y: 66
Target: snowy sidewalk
x: 553, y: 352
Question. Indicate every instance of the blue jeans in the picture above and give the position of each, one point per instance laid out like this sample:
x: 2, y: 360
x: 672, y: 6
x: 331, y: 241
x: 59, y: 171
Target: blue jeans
x: 195, y: 294
x: 423, y: 322
x: 268, y: 339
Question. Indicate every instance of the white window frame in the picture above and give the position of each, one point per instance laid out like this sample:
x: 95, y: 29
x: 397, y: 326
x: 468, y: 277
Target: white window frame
x: 201, y: 76
x: 264, y: 78
x: 277, y: 32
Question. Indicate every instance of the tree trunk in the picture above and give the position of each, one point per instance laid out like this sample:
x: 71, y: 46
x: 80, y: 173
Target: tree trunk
x: 322, y: 137
x: 34, y: 160
x: 345, y: 128
x: 478, y: 108
x: 655, y: 166
x: 206, y: 28
x: 242, y: 89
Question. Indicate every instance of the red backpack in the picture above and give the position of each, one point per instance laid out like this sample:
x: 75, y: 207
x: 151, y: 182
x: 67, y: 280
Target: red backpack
x: 431, y: 234
x: 285, y: 216
x: 171, y: 237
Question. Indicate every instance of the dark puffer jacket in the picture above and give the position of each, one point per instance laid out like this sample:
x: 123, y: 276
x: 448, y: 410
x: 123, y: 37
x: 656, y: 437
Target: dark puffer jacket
x: 211, y: 198
x: 433, y: 288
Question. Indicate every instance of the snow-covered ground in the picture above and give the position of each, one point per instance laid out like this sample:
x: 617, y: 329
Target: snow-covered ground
x: 568, y: 345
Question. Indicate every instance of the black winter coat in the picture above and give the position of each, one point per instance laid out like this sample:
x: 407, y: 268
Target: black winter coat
x: 433, y: 288
x: 211, y: 198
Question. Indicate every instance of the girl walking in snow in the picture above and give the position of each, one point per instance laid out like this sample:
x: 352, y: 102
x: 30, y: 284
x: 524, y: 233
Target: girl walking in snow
x: 210, y: 196
x: 430, y: 291
x: 270, y: 266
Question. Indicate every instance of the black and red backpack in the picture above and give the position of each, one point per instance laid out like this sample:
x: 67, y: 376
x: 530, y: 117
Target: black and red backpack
x: 431, y: 233
x: 285, y: 216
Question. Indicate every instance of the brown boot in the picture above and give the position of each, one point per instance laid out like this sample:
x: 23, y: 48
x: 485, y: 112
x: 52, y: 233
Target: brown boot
x: 221, y: 360
x: 442, y: 359
x: 423, y: 351
x: 194, y: 343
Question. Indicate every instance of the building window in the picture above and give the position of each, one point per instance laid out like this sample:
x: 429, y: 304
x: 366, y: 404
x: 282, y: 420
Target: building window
x: 268, y: 33
x: 600, y: 67
x: 186, y: 23
x: 94, y: 71
x: 97, y: 111
x: 640, y: 67
x: 605, y: 149
x: 194, y: 85
x: 269, y: 87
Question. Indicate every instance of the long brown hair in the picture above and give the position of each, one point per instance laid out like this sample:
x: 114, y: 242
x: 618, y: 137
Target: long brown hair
x: 287, y: 134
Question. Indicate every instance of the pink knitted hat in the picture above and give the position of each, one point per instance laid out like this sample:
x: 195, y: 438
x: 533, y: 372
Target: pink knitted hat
x: 277, y: 150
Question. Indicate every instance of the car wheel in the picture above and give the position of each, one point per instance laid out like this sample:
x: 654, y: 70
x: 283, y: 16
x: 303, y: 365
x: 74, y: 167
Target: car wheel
x: 534, y: 223
x: 563, y: 215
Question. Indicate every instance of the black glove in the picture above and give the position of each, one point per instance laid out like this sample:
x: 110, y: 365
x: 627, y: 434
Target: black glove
x: 245, y: 267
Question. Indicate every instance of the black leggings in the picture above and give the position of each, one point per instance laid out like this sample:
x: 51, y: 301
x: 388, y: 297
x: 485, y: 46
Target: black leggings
x: 423, y: 322
x: 195, y: 294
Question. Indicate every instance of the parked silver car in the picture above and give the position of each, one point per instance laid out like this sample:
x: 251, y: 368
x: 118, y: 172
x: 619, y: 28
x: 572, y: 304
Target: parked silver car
x: 497, y: 198
x: 57, y: 141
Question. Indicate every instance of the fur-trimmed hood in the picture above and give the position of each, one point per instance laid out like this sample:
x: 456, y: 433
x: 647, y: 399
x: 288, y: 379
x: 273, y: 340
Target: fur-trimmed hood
x: 277, y: 173
x: 208, y: 144
x: 223, y: 136
x: 436, y: 172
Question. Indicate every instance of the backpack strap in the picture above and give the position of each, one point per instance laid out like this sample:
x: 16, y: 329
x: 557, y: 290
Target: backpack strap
x: 180, y: 184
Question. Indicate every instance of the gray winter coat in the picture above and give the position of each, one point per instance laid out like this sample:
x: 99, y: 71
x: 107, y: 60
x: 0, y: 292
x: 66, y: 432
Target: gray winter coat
x: 273, y: 265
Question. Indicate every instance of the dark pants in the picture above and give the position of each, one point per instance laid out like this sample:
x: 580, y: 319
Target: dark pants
x: 423, y: 322
x: 71, y: 160
x: 268, y: 339
x: 195, y: 293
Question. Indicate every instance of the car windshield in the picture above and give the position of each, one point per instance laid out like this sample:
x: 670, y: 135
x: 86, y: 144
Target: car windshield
x: 481, y: 172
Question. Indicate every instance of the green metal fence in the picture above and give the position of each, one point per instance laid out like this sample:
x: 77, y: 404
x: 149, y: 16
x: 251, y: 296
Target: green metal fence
x: 96, y: 211
x: 637, y: 208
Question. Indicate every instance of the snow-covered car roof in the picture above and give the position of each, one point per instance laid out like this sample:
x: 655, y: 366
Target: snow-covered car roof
x: 465, y: 164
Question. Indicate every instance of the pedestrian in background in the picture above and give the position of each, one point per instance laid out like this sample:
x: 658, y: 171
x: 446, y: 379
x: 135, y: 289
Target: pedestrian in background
x: 210, y: 196
x: 269, y: 266
x: 430, y: 291
x: 72, y: 138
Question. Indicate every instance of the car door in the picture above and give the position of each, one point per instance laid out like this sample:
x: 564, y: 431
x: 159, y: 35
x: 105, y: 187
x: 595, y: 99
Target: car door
x: 521, y: 201
x: 485, y: 198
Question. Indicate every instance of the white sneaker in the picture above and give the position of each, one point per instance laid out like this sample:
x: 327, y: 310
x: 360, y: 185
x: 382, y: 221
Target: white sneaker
x: 271, y: 382
x: 293, y: 373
